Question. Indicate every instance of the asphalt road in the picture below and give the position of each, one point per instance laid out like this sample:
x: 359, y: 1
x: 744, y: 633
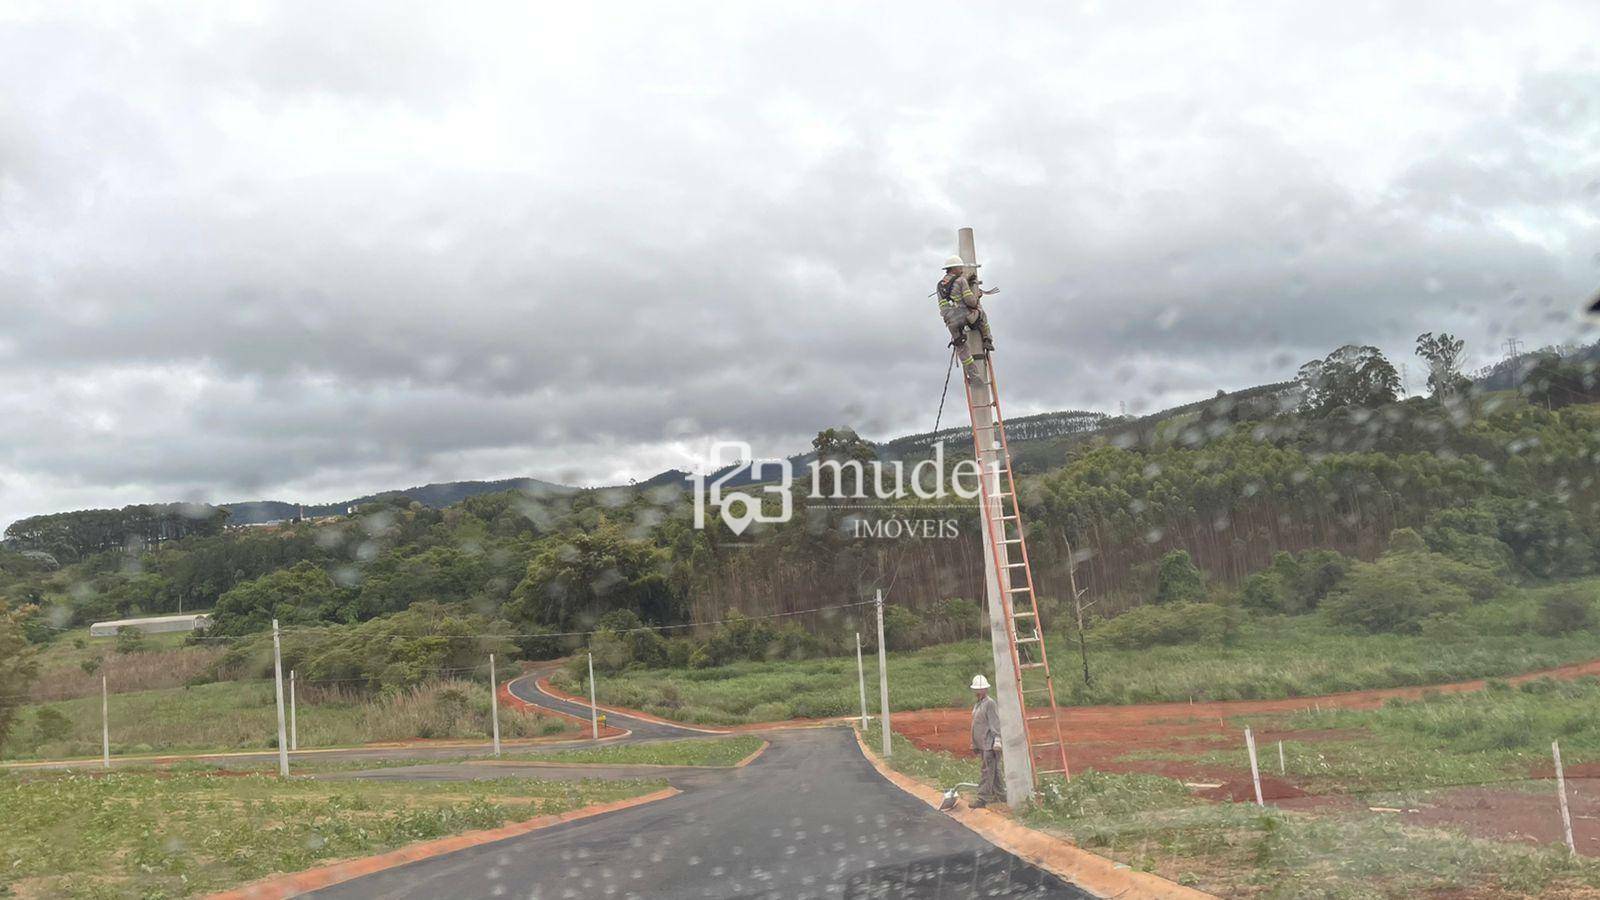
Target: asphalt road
x: 525, y: 688
x: 809, y: 818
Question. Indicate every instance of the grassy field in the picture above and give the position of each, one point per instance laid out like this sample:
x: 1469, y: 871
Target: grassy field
x: 242, y: 715
x: 1272, y: 657
x: 1500, y: 736
x: 1155, y: 824
x: 710, y: 751
x: 177, y: 835
x: 72, y: 665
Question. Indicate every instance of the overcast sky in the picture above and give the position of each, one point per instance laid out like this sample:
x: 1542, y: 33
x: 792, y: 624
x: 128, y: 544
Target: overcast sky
x: 307, y: 251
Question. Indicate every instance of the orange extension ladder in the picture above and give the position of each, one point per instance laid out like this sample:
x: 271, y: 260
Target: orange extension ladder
x: 1046, y: 744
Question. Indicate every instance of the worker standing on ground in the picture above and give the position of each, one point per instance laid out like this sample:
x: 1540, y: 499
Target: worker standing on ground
x: 960, y: 305
x: 986, y: 742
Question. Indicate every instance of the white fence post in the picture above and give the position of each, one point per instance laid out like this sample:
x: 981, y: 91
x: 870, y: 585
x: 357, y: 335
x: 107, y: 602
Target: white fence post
x: 494, y: 705
x: 294, y: 719
x: 1561, y: 792
x: 1282, y: 769
x: 594, y: 709
x: 883, y: 678
x: 1255, y: 773
x: 277, y: 685
x: 105, y: 726
x: 861, y: 681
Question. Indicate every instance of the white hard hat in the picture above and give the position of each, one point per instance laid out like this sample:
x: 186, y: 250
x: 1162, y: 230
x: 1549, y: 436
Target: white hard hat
x: 980, y: 683
x: 954, y: 262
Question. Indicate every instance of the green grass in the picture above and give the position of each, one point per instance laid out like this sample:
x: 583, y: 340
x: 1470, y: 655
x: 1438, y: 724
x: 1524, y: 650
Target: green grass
x: 1391, y: 755
x: 1273, y: 657
x: 73, y: 647
x: 144, y: 835
x: 242, y: 715
x: 709, y: 751
x: 1155, y: 824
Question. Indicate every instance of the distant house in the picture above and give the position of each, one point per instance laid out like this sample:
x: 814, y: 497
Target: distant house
x: 152, y: 625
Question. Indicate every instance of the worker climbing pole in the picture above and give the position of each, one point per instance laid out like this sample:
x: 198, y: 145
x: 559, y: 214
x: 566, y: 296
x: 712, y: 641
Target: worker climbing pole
x: 1032, y: 743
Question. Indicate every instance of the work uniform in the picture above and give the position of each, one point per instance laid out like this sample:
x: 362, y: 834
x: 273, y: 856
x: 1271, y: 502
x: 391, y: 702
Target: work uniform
x: 960, y: 307
x: 986, y: 743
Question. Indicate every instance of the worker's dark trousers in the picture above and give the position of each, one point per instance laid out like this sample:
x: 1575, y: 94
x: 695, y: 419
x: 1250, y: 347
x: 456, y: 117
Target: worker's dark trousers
x: 989, y: 783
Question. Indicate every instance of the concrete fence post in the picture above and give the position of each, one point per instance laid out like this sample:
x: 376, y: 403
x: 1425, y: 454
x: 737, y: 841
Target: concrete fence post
x: 883, y: 679
x: 105, y: 726
x: 1255, y: 772
x: 1561, y: 794
x: 861, y: 682
x: 294, y: 719
x: 277, y: 686
x: 494, y: 705
x: 594, y: 708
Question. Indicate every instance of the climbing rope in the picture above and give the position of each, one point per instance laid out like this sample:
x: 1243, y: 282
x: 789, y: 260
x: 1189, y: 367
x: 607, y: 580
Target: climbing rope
x: 946, y: 392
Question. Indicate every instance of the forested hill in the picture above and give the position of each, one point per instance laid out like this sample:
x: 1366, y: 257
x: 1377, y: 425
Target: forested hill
x: 438, y: 496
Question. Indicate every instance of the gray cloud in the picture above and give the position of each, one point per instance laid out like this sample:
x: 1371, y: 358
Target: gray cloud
x: 312, y: 253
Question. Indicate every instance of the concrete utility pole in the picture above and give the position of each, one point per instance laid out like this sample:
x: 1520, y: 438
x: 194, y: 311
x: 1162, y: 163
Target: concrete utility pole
x: 594, y: 710
x: 494, y: 705
x: 105, y: 726
x: 861, y: 681
x: 1014, y: 750
x: 277, y: 684
x: 883, y: 677
x: 294, y: 720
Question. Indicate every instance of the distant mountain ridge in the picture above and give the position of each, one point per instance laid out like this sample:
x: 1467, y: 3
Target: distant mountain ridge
x: 437, y: 495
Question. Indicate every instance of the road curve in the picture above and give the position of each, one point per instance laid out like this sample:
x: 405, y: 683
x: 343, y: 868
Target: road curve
x: 809, y: 818
x: 526, y: 689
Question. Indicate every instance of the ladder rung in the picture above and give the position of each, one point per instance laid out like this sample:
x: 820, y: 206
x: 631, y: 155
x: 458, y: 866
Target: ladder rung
x: 1037, y: 718
x: 1038, y: 665
x: 1045, y: 744
x: 1015, y: 565
x: 1026, y: 587
x: 1012, y: 541
x: 1034, y: 690
x: 1028, y: 640
x: 1024, y: 613
x: 1038, y: 772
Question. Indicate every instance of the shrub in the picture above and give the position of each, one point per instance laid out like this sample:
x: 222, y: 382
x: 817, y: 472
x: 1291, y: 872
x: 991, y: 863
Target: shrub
x: 52, y: 724
x: 1174, y: 623
x: 1178, y: 580
x: 900, y: 626
x: 1569, y: 609
x: 679, y: 651
x: 1399, y: 591
x: 1265, y: 592
x: 131, y: 640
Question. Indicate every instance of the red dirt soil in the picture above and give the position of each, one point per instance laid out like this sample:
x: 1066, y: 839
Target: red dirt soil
x: 1098, y: 737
